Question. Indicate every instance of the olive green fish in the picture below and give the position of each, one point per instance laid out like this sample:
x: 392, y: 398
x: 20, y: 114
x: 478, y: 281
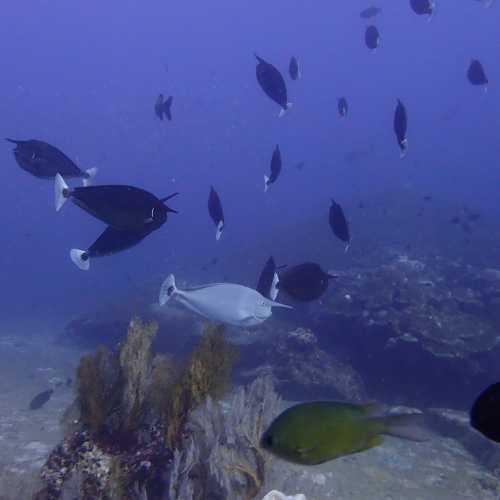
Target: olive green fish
x: 313, y: 433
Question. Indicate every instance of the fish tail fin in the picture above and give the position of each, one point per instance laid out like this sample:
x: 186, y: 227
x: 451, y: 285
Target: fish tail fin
x: 218, y: 232
x: 89, y: 175
x: 283, y: 111
x: 13, y: 141
x: 273, y: 293
x: 404, y: 426
x: 348, y: 245
x: 167, y: 108
x: 80, y: 258
x: 266, y: 183
x: 61, y: 192
x: 167, y: 290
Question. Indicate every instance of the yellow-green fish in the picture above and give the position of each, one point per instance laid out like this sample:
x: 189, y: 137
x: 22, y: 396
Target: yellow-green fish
x: 313, y: 433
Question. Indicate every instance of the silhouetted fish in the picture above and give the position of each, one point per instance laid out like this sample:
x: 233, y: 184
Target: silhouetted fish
x: 275, y: 169
x: 372, y: 37
x: 294, y: 70
x: 339, y: 225
x: 476, y: 73
x: 216, y: 212
x: 111, y: 241
x: 485, y: 413
x: 400, y: 127
x: 423, y: 7
x: 268, y: 280
x: 163, y: 107
x: 342, y: 106
x: 370, y: 12
x: 123, y: 207
x: 304, y: 282
x: 45, y: 161
x: 273, y: 84
x: 40, y: 399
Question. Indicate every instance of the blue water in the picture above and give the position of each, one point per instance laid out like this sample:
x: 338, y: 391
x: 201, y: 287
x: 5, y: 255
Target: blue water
x: 84, y: 76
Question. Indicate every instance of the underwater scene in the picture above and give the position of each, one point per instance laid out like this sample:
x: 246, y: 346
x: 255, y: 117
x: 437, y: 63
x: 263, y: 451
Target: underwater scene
x: 250, y: 250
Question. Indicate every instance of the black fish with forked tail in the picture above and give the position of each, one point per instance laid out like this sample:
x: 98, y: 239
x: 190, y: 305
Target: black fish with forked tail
x: 127, y: 208
x: 45, y: 161
x: 338, y: 224
x: 163, y: 107
x: 304, y: 282
x: 216, y: 212
x: 273, y: 84
x: 111, y: 241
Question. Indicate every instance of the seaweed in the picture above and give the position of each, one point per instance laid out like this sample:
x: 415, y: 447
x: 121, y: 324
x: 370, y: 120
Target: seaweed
x: 98, y: 389
x: 136, y: 368
x: 206, y: 372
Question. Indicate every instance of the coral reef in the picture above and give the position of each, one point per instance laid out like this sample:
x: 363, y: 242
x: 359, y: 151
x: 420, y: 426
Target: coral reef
x: 221, y: 457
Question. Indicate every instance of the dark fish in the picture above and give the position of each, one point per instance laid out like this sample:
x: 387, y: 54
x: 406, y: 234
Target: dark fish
x: 267, y: 285
x: 372, y: 37
x: 476, y: 74
x: 216, y: 212
x: 275, y: 169
x: 314, y: 433
x: 111, y: 241
x: 428, y: 197
x: 304, y: 282
x: 123, y: 207
x: 163, y: 107
x: 455, y: 220
x: 370, y: 12
x: 338, y: 223
x: 485, y: 413
x: 45, y: 161
x: 400, y: 127
x: 342, y: 106
x: 423, y: 7
x: 40, y: 399
x: 294, y: 69
x: 474, y: 217
x: 273, y: 84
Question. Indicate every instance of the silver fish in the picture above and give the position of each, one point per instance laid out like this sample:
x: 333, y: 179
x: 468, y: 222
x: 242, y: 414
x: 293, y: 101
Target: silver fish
x: 228, y: 303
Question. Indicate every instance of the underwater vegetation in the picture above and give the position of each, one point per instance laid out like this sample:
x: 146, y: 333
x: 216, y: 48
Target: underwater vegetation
x: 132, y: 409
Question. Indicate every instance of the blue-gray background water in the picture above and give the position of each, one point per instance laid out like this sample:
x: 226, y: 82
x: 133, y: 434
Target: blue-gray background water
x: 85, y: 76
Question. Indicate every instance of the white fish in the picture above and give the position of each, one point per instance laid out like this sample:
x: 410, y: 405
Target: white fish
x: 228, y: 303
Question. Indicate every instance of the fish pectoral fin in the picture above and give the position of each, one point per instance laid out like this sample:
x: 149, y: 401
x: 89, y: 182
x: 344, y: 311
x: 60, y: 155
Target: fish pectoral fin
x: 305, y: 451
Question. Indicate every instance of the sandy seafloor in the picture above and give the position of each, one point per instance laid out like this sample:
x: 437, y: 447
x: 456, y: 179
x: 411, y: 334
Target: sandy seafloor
x: 440, y: 469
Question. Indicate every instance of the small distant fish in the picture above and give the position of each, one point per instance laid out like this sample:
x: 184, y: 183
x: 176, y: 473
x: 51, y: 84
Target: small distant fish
x: 427, y: 197
x: 40, y: 399
x: 314, y: 433
x: 294, y: 70
x: 476, y: 74
x: 45, y: 161
x: 127, y: 208
x: 370, y: 12
x: 473, y: 217
x: 455, y: 220
x: 275, y: 168
x: 400, y: 127
x: 273, y: 84
x: 338, y: 224
x: 342, y: 106
x: 372, y: 37
x: 216, y: 213
x: 163, y: 107
x: 423, y: 7
x: 227, y: 303
x: 267, y: 285
x: 111, y: 241
x: 300, y: 165
x: 304, y: 282
x: 485, y: 413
